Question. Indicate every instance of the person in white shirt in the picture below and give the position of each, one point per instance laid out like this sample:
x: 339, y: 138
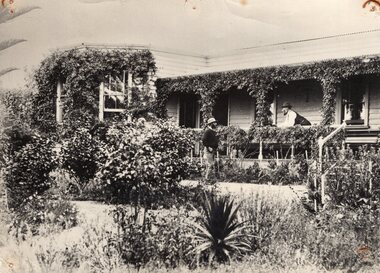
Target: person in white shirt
x: 291, y: 117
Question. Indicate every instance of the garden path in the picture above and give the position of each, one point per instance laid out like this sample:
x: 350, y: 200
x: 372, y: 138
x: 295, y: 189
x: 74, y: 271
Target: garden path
x: 97, y: 212
x: 242, y: 190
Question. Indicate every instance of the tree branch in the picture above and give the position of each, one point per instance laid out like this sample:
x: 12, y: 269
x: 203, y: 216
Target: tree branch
x: 7, y: 70
x: 5, y: 15
x: 9, y: 43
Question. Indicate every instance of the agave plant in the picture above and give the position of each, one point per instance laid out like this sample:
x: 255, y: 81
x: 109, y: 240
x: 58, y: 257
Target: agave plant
x: 219, y: 235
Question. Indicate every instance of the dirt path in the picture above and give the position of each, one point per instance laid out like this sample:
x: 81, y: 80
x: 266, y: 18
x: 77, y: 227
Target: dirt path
x: 243, y: 190
x: 91, y: 211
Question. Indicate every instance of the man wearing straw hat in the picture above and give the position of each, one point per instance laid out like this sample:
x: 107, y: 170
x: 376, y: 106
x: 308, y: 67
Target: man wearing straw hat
x: 210, y: 142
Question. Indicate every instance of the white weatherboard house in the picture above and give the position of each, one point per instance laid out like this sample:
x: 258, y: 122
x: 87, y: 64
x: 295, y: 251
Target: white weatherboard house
x: 357, y: 98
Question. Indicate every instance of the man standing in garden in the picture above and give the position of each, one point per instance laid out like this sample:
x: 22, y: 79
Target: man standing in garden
x: 210, y: 142
x: 292, y: 117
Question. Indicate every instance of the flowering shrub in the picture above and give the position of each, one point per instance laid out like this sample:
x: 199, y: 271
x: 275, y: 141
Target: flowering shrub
x: 144, y: 165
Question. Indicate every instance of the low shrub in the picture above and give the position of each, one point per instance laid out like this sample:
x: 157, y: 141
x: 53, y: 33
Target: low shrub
x: 352, y: 179
x: 80, y: 156
x: 286, y: 173
x: 286, y: 234
x: 230, y: 170
x: 40, y: 211
x: 160, y: 239
x: 291, y: 172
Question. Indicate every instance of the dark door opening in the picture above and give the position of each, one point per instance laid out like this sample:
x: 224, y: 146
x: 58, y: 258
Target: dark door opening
x: 188, y: 111
x: 220, y: 111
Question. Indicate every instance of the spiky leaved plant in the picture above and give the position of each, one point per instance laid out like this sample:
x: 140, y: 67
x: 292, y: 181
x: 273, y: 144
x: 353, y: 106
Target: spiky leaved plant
x: 219, y: 235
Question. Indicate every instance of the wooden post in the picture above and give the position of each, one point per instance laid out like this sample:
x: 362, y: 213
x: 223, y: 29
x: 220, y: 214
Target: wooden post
x: 261, y: 157
x: 277, y: 159
x: 343, y: 150
x: 306, y: 156
x: 101, y: 102
x: 59, y: 112
x: 319, y: 168
x: 191, y: 155
x: 370, y: 172
x: 315, y: 189
x: 130, y: 85
x: 292, y: 152
x: 323, y: 185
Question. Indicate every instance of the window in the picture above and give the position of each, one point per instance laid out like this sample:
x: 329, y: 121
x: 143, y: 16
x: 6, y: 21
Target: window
x: 114, y: 94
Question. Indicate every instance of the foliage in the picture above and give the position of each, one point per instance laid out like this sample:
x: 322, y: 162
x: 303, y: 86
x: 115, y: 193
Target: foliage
x: 81, y: 71
x: 286, y: 173
x: 344, y: 238
x: 301, y: 137
x: 162, y: 240
x: 30, y: 161
x: 354, y: 180
x: 231, y: 170
x: 7, y: 13
x: 265, y: 214
x: 287, y: 235
x: 15, y: 129
x: 41, y: 211
x: 219, y: 234
x: 233, y: 137
x: 80, y: 156
x: 260, y: 82
x: 16, y: 105
x: 283, y: 236
x: 144, y: 165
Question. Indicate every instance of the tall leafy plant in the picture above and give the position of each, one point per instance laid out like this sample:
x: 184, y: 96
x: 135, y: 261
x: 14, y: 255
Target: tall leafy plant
x: 220, y: 235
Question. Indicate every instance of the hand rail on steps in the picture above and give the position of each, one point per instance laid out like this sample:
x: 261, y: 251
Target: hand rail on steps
x: 321, y: 142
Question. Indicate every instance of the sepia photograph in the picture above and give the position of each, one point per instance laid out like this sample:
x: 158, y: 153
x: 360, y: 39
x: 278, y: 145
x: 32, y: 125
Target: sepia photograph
x: 195, y: 136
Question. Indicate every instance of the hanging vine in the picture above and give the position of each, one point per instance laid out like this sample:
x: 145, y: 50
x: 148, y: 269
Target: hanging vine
x: 81, y: 71
x: 261, y: 81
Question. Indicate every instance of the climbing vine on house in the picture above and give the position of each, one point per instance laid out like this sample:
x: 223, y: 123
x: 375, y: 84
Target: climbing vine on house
x: 81, y: 71
x: 261, y: 82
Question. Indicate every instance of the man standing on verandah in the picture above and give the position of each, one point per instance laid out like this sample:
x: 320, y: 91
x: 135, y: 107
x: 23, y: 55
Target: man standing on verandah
x: 210, y: 142
x: 292, y: 117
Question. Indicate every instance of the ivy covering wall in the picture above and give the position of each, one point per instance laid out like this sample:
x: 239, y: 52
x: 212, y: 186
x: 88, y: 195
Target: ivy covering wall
x: 260, y: 82
x: 81, y: 71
